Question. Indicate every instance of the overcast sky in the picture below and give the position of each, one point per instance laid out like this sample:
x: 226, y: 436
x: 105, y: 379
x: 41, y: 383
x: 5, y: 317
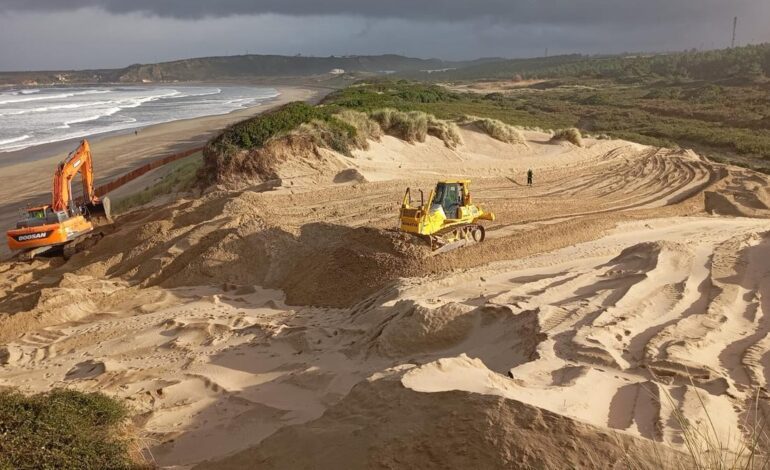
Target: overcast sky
x: 68, y: 34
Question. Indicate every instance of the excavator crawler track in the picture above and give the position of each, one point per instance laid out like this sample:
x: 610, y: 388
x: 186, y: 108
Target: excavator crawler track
x: 86, y: 241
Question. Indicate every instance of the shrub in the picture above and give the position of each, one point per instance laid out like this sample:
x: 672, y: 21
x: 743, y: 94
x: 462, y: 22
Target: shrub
x: 496, y: 129
x: 495, y: 96
x: 595, y: 100
x: 64, y: 429
x: 571, y: 135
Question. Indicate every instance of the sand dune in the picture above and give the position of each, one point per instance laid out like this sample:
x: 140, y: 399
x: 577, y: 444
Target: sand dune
x: 618, y: 290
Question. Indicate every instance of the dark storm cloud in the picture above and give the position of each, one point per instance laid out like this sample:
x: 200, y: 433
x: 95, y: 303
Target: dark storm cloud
x: 65, y: 34
x: 508, y: 11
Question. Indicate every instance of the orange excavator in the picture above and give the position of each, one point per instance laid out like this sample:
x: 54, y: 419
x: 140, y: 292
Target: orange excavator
x: 68, y: 221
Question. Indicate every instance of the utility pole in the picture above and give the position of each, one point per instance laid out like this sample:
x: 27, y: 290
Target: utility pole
x: 735, y: 27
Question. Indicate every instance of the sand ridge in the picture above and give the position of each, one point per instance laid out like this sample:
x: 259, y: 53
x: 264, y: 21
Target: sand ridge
x: 244, y: 319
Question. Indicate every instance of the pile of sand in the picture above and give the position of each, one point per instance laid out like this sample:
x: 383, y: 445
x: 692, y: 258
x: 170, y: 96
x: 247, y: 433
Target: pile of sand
x: 407, y: 330
x: 383, y: 424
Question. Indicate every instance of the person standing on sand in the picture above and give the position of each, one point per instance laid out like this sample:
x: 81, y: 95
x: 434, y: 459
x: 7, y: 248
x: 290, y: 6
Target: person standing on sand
x: 529, y: 177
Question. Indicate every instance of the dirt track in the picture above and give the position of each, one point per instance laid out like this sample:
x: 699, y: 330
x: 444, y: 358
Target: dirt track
x: 601, y: 289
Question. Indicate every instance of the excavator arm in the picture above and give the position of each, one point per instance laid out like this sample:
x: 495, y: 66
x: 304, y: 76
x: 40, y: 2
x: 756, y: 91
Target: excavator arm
x: 78, y: 161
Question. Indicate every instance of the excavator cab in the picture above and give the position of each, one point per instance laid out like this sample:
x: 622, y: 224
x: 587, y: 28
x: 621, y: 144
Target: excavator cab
x: 42, y: 215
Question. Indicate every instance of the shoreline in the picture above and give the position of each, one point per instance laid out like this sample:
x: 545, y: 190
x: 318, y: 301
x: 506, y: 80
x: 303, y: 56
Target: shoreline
x: 37, y: 152
x: 27, y: 176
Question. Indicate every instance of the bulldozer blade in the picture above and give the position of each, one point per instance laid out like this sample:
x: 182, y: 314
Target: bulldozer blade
x: 101, y: 212
x: 450, y: 247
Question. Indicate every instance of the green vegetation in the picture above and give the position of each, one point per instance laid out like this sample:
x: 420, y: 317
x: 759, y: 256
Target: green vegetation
x: 749, y: 62
x: 180, y: 177
x: 340, y: 128
x: 717, y: 102
x: 253, y: 133
x: 571, y: 135
x: 723, y: 120
x: 400, y: 95
x: 291, y: 69
x: 64, y: 429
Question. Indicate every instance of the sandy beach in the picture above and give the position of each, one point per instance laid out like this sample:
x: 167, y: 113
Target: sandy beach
x: 26, y: 174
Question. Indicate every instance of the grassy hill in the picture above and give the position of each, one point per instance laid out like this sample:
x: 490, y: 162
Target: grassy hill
x: 236, y: 67
x: 749, y: 62
x: 743, y: 62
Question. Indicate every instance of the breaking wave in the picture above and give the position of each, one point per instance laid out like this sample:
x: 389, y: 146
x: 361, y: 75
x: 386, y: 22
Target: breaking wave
x: 31, y: 117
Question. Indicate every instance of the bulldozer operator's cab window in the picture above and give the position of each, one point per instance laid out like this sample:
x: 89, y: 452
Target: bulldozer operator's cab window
x: 449, y: 197
x: 438, y: 198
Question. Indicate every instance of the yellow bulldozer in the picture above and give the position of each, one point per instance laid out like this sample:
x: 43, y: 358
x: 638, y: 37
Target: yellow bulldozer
x: 448, y: 219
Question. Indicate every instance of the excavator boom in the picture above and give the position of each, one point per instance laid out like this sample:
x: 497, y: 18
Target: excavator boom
x: 78, y: 161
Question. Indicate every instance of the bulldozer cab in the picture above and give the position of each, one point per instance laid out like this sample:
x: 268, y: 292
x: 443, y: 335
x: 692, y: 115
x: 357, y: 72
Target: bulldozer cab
x: 450, y: 197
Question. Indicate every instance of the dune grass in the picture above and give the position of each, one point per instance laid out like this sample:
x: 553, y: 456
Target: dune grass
x: 704, y: 448
x: 707, y: 450
x: 65, y: 429
x: 415, y: 126
x: 411, y: 126
x: 445, y: 130
x: 496, y: 129
x: 366, y: 128
x: 331, y: 133
x: 571, y: 135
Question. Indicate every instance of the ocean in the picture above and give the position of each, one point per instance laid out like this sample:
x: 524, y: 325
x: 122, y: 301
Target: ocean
x: 30, y: 117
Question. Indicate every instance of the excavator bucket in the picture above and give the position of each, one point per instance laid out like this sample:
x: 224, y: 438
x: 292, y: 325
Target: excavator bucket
x: 99, y: 213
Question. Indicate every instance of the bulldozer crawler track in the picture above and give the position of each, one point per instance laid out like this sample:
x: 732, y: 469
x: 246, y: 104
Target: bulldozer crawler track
x: 454, y: 237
